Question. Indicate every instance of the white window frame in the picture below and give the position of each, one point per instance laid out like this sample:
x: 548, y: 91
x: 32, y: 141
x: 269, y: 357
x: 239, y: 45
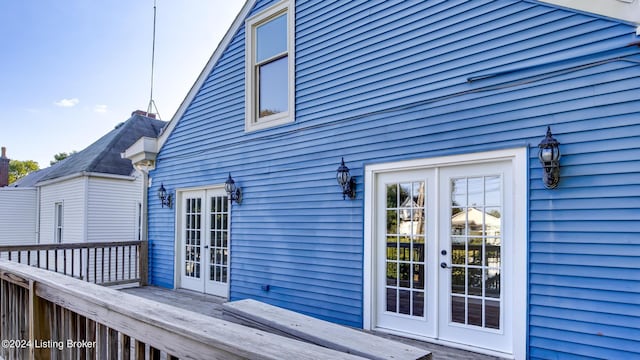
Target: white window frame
x: 58, y: 221
x: 252, y: 122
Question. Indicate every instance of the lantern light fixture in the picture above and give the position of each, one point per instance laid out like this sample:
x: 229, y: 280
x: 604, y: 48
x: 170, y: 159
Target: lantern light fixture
x: 549, y: 156
x: 165, y: 197
x: 234, y: 193
x: 346, y: 181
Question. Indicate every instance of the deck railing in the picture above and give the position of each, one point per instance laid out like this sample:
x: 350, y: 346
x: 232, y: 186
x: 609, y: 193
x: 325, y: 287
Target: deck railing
x: 104, y: 263
x: 46, y: 315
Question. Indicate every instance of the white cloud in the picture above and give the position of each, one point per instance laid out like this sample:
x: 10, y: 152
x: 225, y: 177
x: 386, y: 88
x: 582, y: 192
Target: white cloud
x: 67, y: 102
x: 100, y: 108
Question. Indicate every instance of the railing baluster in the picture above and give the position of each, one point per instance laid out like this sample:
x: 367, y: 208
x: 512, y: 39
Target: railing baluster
x: 102, y: 341
x: 116, y: 263
x: 82, y: 336
x: 154, y: 354
x: 73, y: 252
x: 113, y: 344
x: 123, y: 251
x: 102, y: 262
x: 125, y: 347
x: 64, y: 258
x: 109, y: 264
x: 91, y: 337
x: 95, y: 265
x: 140, y: 350
x: 86, y: 274
x: 55, y: 258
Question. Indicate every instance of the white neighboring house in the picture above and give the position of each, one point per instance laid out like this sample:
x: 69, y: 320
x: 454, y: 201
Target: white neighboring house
x: 94, y: 195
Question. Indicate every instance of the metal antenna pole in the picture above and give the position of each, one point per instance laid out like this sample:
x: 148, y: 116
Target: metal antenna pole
x: 152, y: 104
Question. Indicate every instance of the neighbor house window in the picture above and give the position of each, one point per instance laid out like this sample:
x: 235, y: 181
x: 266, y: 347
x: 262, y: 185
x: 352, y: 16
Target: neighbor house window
x: 270, y: 67
x: 58, y: 221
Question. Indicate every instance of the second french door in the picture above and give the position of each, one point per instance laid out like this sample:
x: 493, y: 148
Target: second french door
x: 203, y: 241
x: 443, y: 242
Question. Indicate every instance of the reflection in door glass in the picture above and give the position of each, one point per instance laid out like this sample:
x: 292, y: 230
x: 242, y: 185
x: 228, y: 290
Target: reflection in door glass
x: 219, y: 252
x: 476, y: 252
x: 405, y: 248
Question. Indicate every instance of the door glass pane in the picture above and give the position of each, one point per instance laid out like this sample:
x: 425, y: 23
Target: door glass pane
x: 218, y: 235
x: 192, y: 236
x: 405, y: 248
x: 476, y: 251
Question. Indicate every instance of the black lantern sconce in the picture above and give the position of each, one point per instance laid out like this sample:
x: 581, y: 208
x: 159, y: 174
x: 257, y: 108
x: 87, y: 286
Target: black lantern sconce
x: 165, y: 197
x: 346, y: 181
x: 234, y: 193
x: 549, y: 155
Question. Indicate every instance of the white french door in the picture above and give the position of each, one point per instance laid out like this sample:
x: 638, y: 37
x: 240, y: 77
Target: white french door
x: 204, y: 241
x: 443, y: 243
x: 476, y: 239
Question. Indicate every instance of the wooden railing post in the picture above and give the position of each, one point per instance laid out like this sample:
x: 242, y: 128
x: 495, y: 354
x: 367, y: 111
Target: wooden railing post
x: 38, y: 325
x: 143, y: 263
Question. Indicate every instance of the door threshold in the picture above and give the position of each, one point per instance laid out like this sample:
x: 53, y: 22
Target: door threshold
x: 448, y: 344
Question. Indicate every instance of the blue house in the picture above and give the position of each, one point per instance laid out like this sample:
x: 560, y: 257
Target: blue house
x: 455, y: 231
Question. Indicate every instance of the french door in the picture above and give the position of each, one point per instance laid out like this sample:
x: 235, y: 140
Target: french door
x: 442, y: 247
x: 204, y: 241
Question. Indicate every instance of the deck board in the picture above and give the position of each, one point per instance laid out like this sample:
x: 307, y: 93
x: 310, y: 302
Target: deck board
x: 213, y: 306
x: 333, y: 336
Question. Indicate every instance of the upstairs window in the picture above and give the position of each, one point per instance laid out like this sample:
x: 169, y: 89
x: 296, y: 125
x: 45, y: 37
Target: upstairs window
x: 270, y: 67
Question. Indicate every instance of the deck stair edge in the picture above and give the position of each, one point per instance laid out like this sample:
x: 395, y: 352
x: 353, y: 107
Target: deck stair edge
x: 319, y: 332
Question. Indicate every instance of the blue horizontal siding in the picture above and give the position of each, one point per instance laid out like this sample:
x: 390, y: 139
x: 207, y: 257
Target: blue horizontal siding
x: 381, y: 81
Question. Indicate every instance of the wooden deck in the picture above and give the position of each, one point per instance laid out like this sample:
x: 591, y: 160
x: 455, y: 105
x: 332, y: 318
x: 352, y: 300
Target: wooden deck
x: 212, y: 306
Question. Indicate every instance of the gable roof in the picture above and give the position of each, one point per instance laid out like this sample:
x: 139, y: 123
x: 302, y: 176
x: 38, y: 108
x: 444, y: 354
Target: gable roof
x: 103, y: 156
x: 629, y: 11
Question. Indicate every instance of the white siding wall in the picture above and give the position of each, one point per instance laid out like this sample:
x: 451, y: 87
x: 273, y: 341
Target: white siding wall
x: 72, y: 194
x: 18, y: 216
x: 113, y: 209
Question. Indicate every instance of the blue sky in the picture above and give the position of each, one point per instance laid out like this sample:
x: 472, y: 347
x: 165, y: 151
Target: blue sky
x: 70, y: 70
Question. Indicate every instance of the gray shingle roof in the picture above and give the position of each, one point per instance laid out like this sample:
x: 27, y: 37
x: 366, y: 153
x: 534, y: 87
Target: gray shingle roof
x: 103, y: 156
x: 33, y: 177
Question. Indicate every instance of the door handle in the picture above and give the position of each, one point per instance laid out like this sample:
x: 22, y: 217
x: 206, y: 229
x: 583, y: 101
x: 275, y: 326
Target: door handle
x: 444, y: 265
x: 206, y: 246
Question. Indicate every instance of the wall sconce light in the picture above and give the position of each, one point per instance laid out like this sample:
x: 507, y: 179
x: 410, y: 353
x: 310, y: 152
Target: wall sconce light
x: 346, y: 181
x: 165, y: 198
x: 549, y: 155
x: 235, y: 194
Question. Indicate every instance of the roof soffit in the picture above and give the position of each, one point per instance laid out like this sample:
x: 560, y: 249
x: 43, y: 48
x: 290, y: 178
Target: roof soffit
x: 625, y: 10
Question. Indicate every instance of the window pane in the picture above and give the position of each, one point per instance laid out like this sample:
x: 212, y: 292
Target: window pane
x: 274, y: 87
x: 271, y: 38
